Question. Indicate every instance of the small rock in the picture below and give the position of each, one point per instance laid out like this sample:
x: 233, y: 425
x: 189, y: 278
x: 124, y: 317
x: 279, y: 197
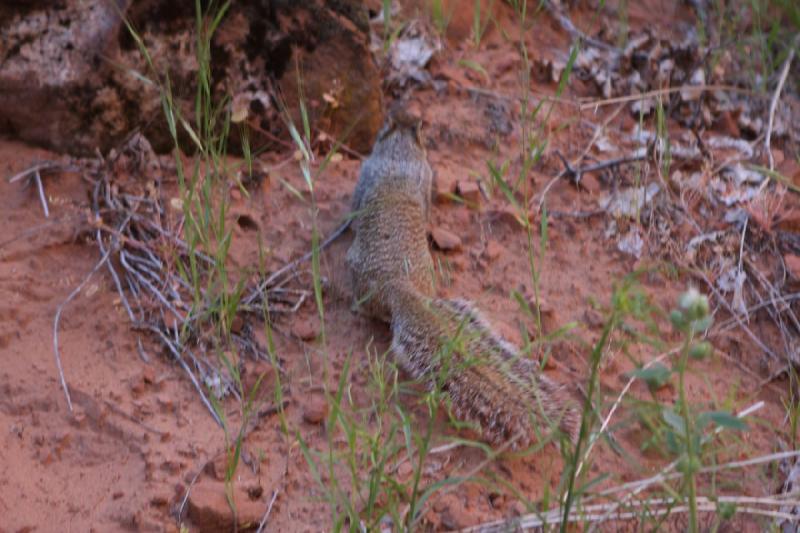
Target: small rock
x: 171, y: 467
x: 727, y: 125
x: 777, y: 156
x: 315, y: 409
x: 518, y: 508
x: 792, y: 264
x: 454, y: 515
x: 165, y: 402
x: 790, y: 168
x: 237, y: 324
x: 404, y: 470
x: 493, y: 250
x: 591, y: 184
x: 137, y: 387
x: 307, y: 328
x: 217, y: 467
x: 458, y: 263
x: 593, y: 319
x: 549, y: 363
x: 445, y: 240
x: 79, y: 419
x: 497, y: 501
x: 209, y: 509
x: 507, y: 217
x: 159, y: 500
x: 255, y: 491
x: 470, y: 192
x: 149, y: 375
x: 444, y: 187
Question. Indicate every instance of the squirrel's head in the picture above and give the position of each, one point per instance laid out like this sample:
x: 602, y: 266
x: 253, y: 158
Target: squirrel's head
x: 400, y: 131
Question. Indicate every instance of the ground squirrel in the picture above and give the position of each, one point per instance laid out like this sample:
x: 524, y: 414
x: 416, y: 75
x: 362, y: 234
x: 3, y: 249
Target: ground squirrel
x: 448, y: 341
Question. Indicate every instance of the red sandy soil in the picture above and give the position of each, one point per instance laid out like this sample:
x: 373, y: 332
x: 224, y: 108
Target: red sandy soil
x: 138, y: 435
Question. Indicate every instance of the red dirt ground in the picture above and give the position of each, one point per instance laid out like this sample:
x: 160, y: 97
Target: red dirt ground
x: 139, y: 436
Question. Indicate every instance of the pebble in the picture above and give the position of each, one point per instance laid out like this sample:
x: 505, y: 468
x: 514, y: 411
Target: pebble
x: 445, y: 239
x: 237, y: 324
x: 493, y: 250
x: 444, y: 187
x: 209, y: 509
x: 469, y: 191
x: 307, y: 328
x: 792, y: 264
x: 315, y: 409
x: 591, y: 184
x: 452, y: 512
x: 165, y: 402
x: 149, y: 375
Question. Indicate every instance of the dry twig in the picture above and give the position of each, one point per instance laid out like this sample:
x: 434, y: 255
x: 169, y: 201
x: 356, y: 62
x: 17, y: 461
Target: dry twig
x: 773, y: 105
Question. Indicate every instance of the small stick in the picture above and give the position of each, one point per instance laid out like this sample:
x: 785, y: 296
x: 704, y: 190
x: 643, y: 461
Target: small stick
x: 593, y: 440
x: 576, y: 214
x: 42, y: 197
x: 189, y: 488
x: 142, y: 353
x: 168, y: 342
x: 264, y: 519
x: 602, y: 165
x: 659, y: 92
x: 598, y: 131
x: 58, y: 317
x: 153, y: 290
x: 115, y: 277
x: 774, y: 103
x: 34, y: 169
x: 292, y: 265
x: 733, y: 313
x: 665, y: 473
x: 576, y: 173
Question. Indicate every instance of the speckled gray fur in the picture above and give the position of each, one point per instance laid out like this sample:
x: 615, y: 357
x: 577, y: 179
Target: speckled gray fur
x: 436, y: 340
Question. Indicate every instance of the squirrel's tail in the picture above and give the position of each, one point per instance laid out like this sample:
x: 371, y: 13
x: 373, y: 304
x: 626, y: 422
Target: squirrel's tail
x: 448, y: 343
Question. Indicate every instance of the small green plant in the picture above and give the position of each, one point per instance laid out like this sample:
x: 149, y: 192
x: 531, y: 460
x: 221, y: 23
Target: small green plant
x: 792, y: 406
x: 378, y: 438
x: 624, y: 24
x: 480, y: 21
x: 685, y: 432
x: 690, y: 318
x: 627, y: 301
x: 758, y: 34
x: 204, y: 200
x: 441, y: 15
x: 662, y: 139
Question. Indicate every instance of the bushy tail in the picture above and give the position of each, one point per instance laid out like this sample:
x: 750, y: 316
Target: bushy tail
x: 488, y: 383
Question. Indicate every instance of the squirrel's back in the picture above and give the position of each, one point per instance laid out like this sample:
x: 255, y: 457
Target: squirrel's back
x: 391, y: 206
x: 390, y: 245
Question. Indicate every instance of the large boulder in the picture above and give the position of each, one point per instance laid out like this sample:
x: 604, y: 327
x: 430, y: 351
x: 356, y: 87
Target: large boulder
x: 71, y: 75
